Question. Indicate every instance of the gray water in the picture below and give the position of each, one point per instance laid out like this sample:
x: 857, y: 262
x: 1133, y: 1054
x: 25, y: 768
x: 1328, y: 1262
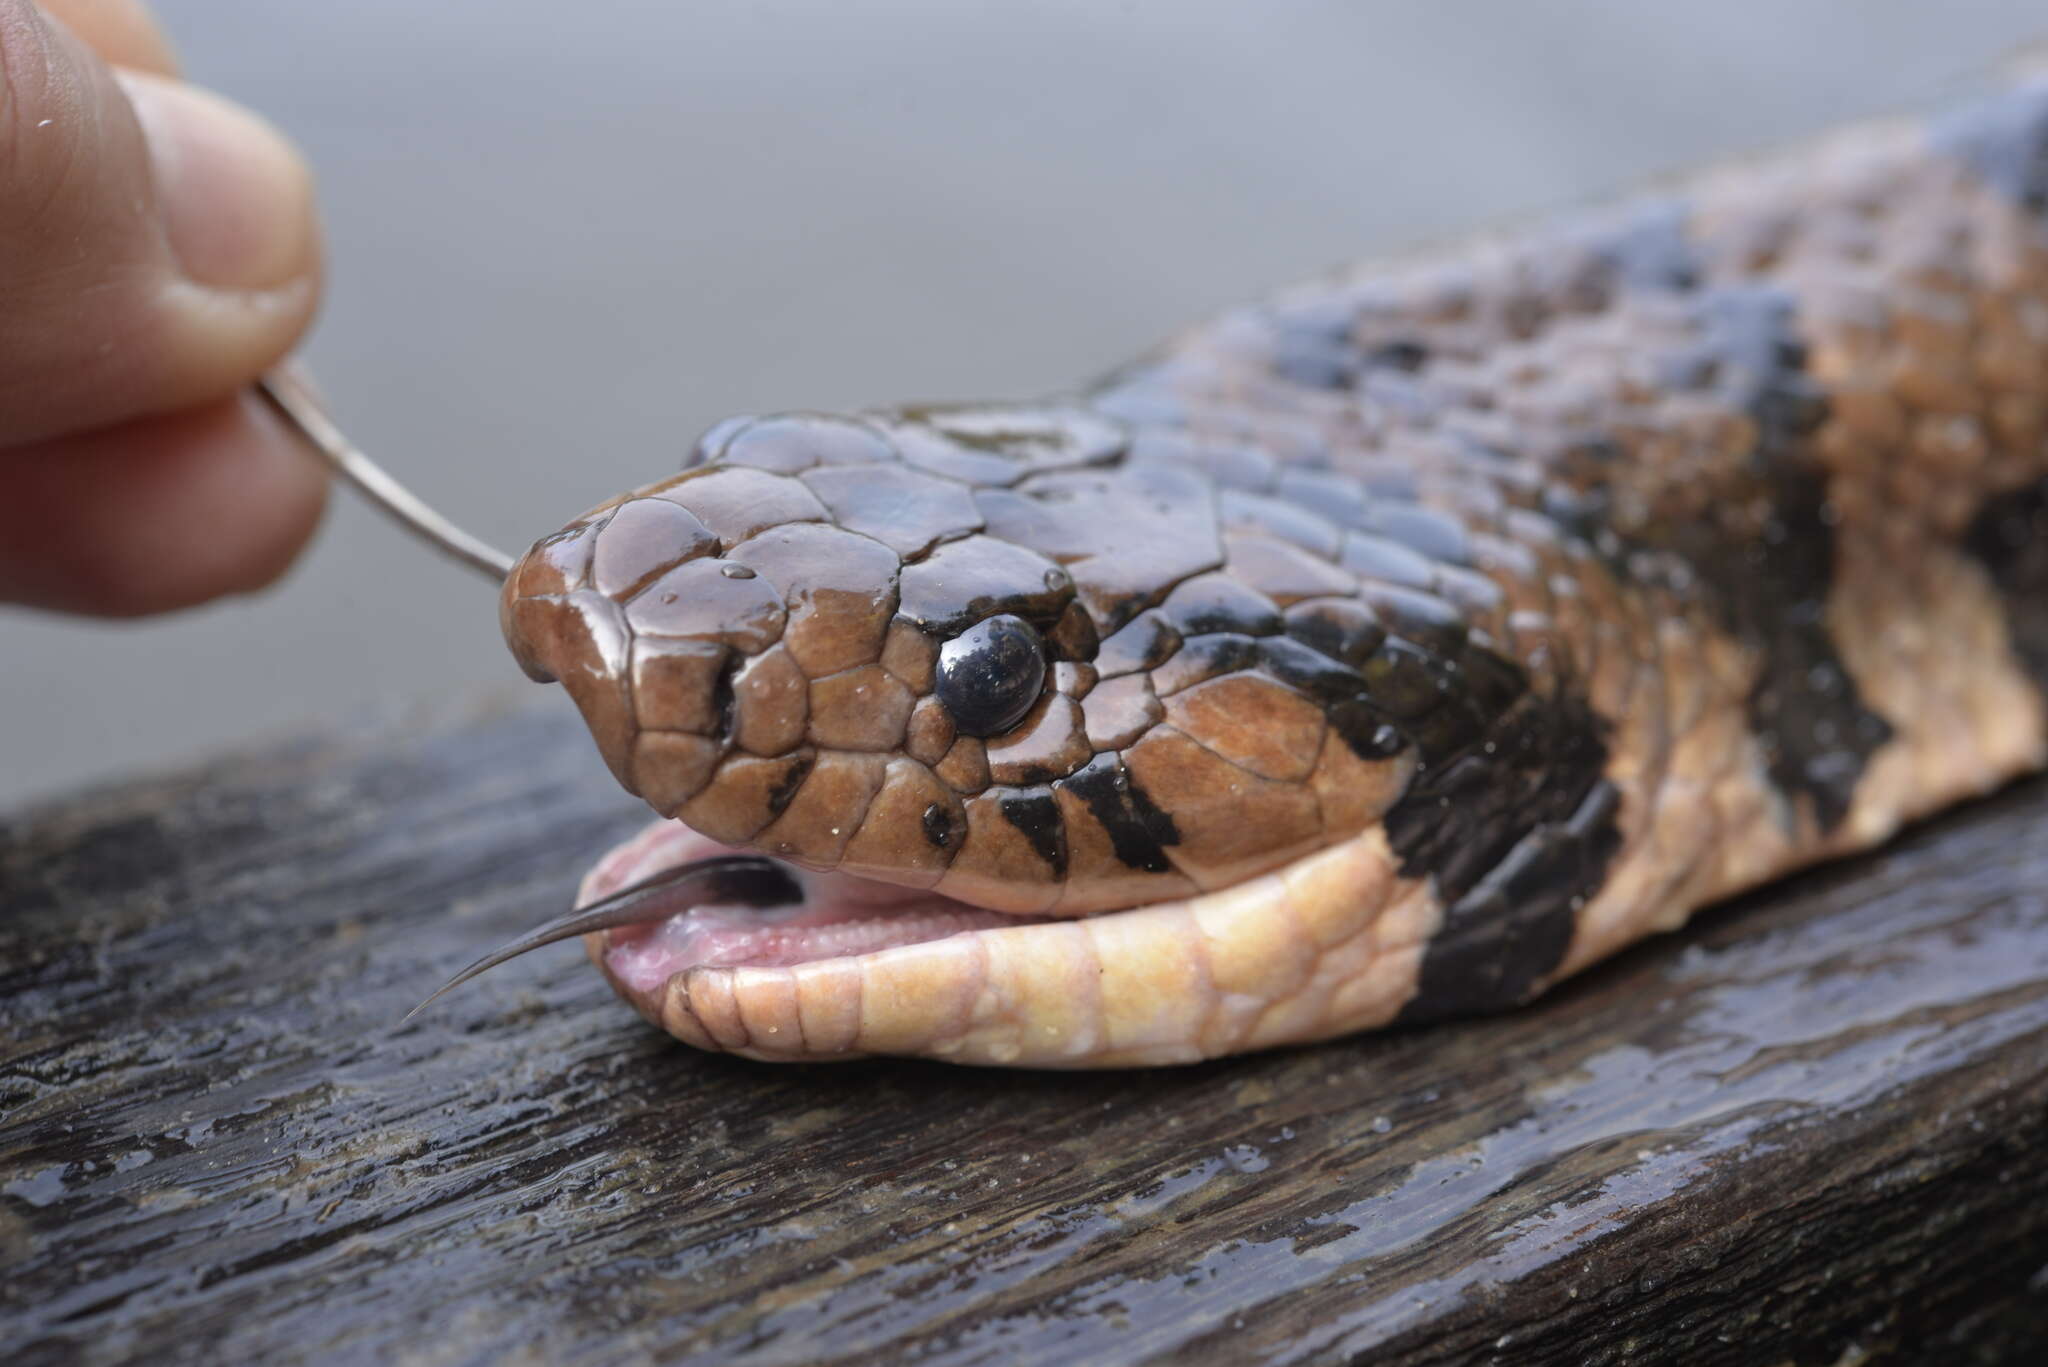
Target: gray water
x: 568, y: 237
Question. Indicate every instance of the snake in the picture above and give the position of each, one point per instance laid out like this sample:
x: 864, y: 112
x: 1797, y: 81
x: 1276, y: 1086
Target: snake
x: 1384, y: 652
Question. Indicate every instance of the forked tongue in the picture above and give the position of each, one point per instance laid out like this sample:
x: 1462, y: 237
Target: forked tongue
x: 746, y: 880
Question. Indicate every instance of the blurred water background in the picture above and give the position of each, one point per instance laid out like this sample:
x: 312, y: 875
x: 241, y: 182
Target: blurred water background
x: 568, y: 237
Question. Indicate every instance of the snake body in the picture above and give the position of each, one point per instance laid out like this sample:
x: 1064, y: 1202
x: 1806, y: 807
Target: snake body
x: 1383, y: 652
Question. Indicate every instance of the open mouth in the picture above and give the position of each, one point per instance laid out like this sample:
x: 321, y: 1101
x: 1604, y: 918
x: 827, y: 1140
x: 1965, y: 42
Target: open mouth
x: 670, y: 900
x: 735, y: 951
x: 730, y: 908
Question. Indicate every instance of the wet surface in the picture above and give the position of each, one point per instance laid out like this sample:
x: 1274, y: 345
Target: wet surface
x: 1812, y: 1123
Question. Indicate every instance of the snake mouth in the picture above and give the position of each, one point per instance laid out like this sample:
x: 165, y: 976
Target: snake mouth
x: 781, y: 916
x: 734, y: 951
x: 671, y: 900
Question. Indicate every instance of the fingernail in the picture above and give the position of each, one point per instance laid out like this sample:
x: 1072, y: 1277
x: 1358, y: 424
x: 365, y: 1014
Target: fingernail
x: 236, y: 200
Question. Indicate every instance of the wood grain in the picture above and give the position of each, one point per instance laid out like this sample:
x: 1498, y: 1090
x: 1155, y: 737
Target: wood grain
x: 1812, y: 1124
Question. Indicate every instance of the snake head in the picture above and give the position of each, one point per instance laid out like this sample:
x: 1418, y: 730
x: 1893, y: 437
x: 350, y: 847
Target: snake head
x: 864, y: 645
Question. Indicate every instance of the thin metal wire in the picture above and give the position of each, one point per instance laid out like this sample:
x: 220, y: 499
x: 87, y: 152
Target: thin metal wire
x: 290, y: 397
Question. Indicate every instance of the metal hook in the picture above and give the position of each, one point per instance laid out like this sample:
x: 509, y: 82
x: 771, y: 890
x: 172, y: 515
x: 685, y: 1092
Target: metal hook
x: 290, y: 397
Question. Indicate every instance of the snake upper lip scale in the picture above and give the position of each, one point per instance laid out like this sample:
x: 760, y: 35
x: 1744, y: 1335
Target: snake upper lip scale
x: 1387, y: 651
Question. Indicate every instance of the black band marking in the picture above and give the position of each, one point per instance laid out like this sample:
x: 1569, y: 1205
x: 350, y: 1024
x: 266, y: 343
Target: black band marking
x: 2010, y: 536
x: 1769, y: 584
x: 1034, y: 813
x: 785, y: 789
x: 1501, y: 939
x: 1138, y: 830
x: 1773, y: 590
x: 1514, y: 843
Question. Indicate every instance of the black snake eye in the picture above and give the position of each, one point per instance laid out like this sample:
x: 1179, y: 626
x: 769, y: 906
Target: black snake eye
x: 990, y: 674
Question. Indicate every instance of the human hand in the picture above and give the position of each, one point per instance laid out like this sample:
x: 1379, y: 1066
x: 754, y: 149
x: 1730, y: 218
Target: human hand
x: 158, y: 250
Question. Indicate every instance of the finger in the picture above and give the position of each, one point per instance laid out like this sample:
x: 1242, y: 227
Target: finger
x: 156, y: 514
x: 158, y: 245
x: 122, y: 32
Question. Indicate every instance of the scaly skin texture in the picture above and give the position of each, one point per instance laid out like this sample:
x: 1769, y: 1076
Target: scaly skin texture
x: 1415, y: 639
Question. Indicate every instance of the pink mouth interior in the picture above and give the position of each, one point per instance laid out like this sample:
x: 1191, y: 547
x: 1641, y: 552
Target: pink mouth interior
x: 839, y: 915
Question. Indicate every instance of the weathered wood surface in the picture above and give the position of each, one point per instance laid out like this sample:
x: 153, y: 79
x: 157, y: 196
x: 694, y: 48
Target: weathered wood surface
x: 1812, y: 1125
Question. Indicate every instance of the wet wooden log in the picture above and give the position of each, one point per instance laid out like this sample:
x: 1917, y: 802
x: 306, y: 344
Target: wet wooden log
x: 1811, y: 1125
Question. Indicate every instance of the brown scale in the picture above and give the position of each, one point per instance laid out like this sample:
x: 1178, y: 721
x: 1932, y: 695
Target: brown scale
x: 1049, y: 743
x: 863, y: 708
x: 736, y: 503
x: 711, y: 600
x: 931, y: 734
x: 964, y: 766
x: 771, y: 703
x: 675, y: 684
x: 906, y: 510
x: 1118, y: 711
x: 910, y: 830
x: 645, y: 537
x: 1231, y: 823
x: 1488, y: 550
x: 839, y: 588
x: 814, y: 824
x: 1255, y: 722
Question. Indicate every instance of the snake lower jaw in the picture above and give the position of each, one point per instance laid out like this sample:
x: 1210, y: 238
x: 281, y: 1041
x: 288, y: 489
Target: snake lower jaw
x: 1327, y: 945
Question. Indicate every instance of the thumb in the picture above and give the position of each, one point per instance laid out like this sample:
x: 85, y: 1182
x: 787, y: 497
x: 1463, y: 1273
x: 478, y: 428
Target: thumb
x: 158, y: 245
x: 158, y: 249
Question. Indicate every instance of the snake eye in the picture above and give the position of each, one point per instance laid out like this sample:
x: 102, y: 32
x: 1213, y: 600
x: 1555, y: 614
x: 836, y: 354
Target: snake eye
x: 990, y: 674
